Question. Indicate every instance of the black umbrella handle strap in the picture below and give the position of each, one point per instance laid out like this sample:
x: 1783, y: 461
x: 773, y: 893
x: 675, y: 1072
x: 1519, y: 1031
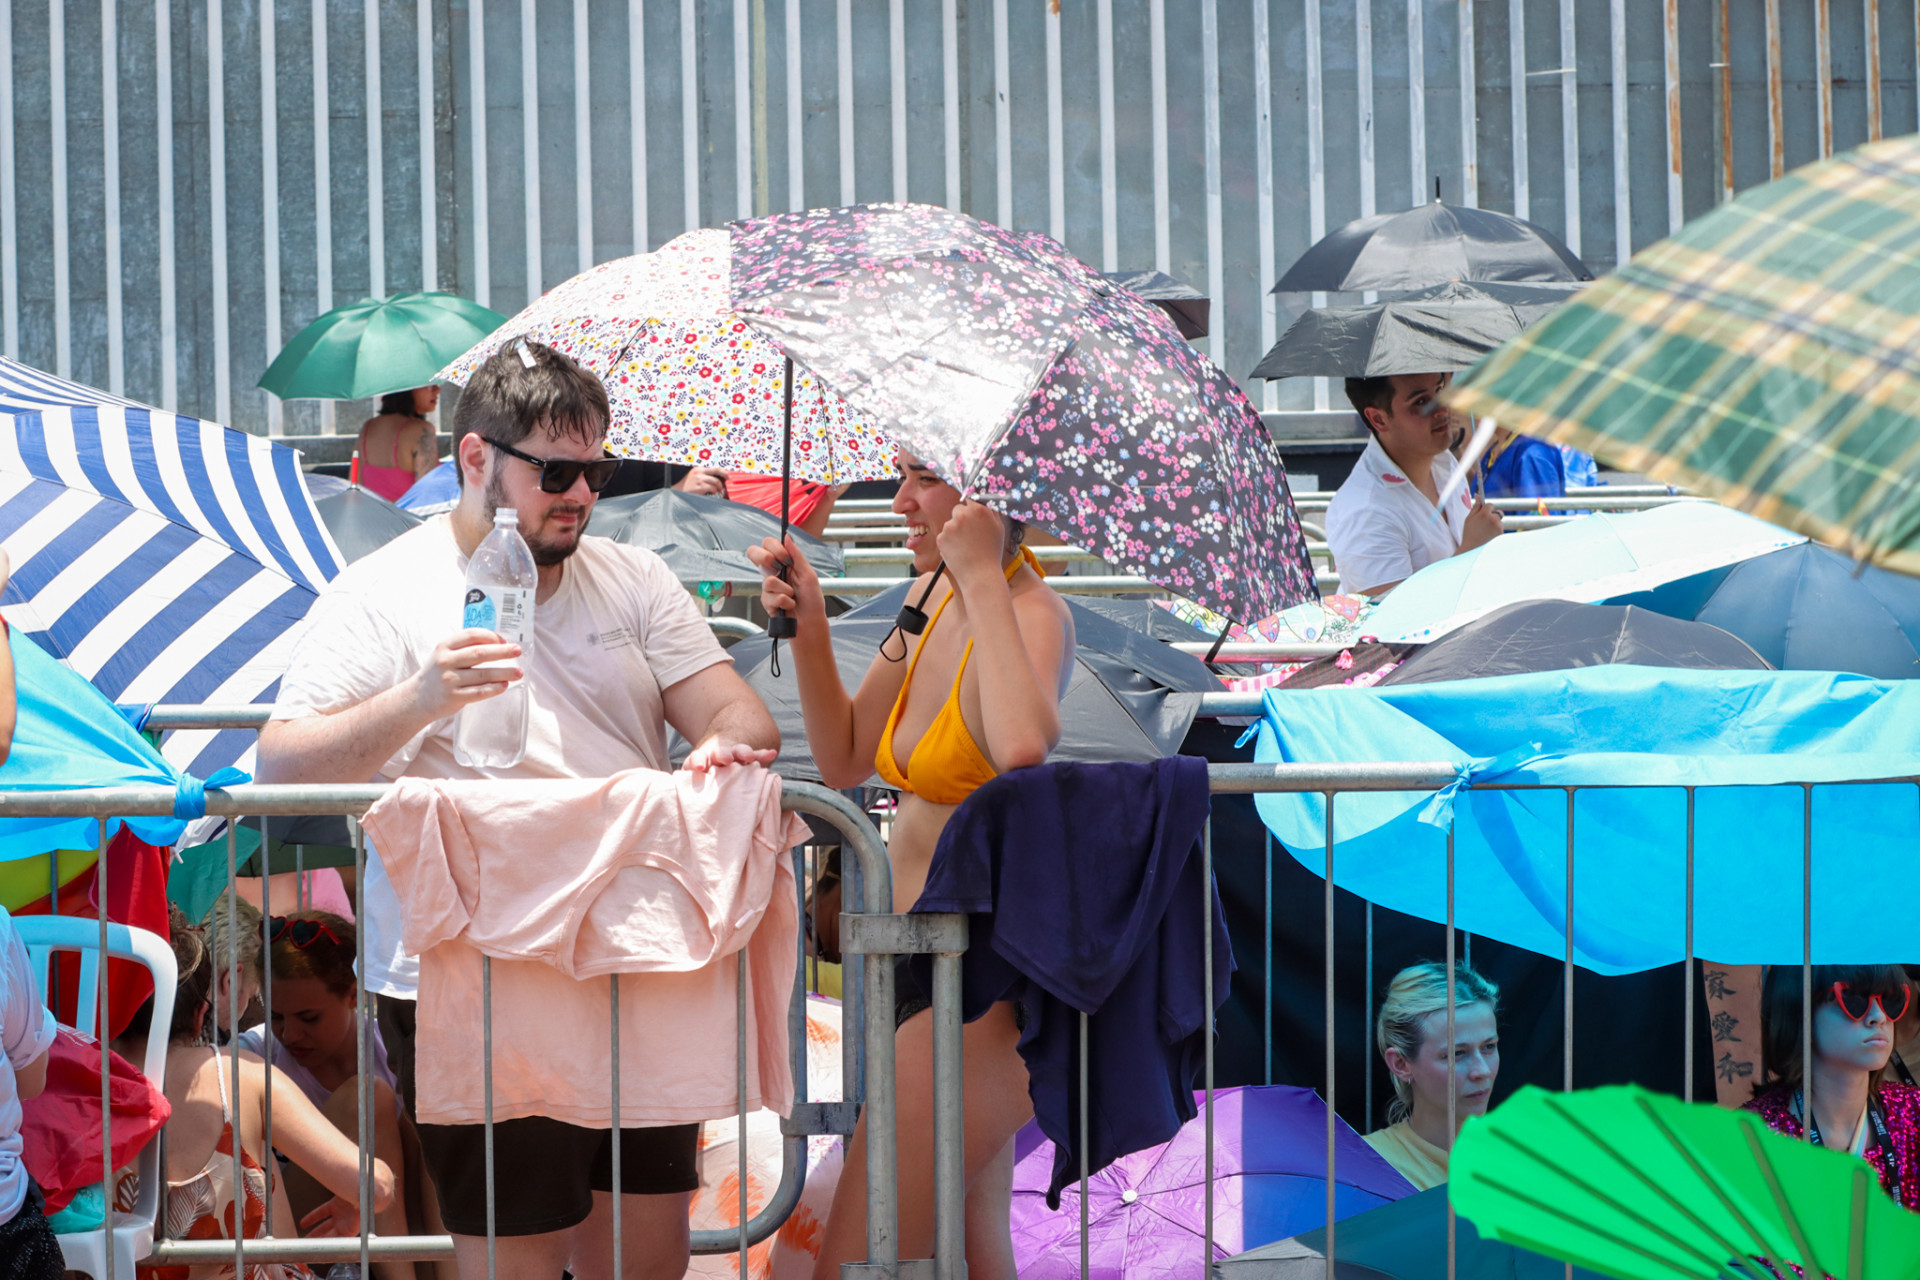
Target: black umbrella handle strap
x: 912, y: 619
x: 1218, y: 640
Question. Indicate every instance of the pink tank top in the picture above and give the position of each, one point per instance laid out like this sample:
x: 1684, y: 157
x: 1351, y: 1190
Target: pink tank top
x: 388, y: 482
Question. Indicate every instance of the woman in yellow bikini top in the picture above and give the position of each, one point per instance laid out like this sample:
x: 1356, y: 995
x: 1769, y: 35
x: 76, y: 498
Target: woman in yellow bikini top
x: 975, y: 694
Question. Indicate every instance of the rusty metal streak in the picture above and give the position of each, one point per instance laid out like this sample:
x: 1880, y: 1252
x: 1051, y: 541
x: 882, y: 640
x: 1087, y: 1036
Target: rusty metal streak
x: 1776, y: 133
x: 1671, y: 41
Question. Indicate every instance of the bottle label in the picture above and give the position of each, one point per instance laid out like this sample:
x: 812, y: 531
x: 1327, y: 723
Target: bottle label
x: 506, y: 611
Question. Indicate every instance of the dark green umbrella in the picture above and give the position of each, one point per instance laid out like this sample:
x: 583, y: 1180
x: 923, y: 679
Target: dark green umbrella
x: 378, y: 345
x: 1763, y: 356
x: 1428, y: 331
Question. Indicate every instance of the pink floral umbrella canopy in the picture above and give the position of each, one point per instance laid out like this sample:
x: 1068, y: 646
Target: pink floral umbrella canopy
x: 690, y: 382
x: 1023, y: 378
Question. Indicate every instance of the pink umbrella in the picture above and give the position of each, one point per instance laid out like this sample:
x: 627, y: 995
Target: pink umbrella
x: 1146, y: 1211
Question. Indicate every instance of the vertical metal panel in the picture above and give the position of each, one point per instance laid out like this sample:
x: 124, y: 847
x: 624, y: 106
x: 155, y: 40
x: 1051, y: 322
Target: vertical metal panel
x: 582, y: 138
x: 1873, y: 69
x: 9, y: 199
x: 897, y: 93
x: 1823, y: 62
x: 1056, y: 144
x: 217, y: 200
x: 57, y: 122
x: 950, y: 95
x: 1157, y: 57
x: 376, y: 160
x: 323, y: 159
x: 110, y: 136
x: 1517, y: 106
x: 530, y: 144
x: 637, y: 118
x: 1002, y: 116
x: 169, y: 285
x: 1210, y: 109
x: 1363, y: 107
x: 1670, y: 42
x: 1469, y: 128
x: 690, y: 112
x: 796, y: 113
x: 477, y: 122
x: 1263, y: 194
x: 1417, y: 99
x: 1776, y: 129
x: 1316, y: 159
x: 429, y: 167
x: 269, y: 194
x: 1109, y: 183
x: 742, y: 112
x: 1622, y: 171
x: 1570, y: 123
x: 843, y: 64
x: 1726, y: 102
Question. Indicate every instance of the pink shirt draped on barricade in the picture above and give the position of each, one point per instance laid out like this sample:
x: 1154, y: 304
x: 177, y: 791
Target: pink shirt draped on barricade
x: 661, y: 877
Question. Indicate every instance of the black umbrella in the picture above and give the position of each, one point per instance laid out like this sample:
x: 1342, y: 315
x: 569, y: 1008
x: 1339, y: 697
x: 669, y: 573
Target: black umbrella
x: 703, y: 539
x: 1405, y: 1240
x: 1428, y: 246
x: 1130, y: 696
x: 1555, y: 635
x: 1187, y: 305
x: 359, y: 521
x: 1428, y: 331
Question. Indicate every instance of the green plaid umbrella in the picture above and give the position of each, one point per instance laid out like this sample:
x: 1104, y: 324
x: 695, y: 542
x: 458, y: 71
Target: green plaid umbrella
x: 1768, y: 355
x: 1646, y: 1187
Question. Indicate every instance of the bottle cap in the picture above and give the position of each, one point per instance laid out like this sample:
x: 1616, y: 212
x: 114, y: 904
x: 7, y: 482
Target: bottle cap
x: 505, y: 515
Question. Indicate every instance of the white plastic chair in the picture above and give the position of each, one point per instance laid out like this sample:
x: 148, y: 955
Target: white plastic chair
x: 43, y: 935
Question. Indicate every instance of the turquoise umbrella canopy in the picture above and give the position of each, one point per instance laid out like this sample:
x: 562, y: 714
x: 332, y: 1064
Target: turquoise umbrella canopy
x: 378, y: 345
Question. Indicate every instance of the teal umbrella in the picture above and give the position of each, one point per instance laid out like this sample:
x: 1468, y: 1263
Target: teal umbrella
x: 378, y: 345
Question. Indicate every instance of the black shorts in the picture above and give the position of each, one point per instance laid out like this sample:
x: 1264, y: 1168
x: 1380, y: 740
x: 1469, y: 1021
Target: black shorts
x: 545, y: 1171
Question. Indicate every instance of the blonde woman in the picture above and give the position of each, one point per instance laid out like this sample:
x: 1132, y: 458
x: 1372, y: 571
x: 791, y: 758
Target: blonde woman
x: 1411, y: 1032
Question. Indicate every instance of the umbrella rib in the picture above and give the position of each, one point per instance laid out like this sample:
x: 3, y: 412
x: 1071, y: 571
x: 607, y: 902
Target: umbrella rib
x: 1583, y: 1224
x: 1808, y: 1255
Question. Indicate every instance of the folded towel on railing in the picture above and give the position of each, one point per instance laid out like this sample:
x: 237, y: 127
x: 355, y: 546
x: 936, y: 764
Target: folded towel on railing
x: 660, y: 877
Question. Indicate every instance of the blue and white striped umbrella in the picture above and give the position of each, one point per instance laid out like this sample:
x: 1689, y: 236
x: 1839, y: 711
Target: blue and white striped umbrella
x: 164, y: 558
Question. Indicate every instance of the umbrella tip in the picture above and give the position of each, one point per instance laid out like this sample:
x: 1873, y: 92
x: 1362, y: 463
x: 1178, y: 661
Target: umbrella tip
x: 353, y: 469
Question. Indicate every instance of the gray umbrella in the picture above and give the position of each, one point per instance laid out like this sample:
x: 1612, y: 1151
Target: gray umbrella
x: 359, y: 521
x: 1427, y: 331
x: 703, y: 539
x: 1429, y: 245
x: 1556, y: 635
x: 1187, y: 305
x: 1405, y: 1240
x: 1130, y: 696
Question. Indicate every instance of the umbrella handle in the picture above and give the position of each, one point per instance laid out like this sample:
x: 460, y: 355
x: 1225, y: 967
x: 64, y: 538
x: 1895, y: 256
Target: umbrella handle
x: 784, y: 626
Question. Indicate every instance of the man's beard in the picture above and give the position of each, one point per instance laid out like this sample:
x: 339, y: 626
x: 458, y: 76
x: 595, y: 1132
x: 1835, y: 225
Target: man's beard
x: 545, y: 552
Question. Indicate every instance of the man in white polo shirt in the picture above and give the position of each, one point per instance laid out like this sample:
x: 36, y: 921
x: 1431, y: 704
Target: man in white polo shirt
x: 1384, y: 523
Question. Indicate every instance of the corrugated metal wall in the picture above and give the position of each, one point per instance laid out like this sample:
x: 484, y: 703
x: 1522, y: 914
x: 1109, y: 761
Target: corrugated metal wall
x: 155, y: 239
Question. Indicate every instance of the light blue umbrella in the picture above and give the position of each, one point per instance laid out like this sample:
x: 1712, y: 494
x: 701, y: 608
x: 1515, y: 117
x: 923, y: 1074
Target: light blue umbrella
x: 1593, y: 558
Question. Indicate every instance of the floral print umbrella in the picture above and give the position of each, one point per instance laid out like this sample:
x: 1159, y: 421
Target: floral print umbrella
x: 690, y: 383
x: 1023, y: 378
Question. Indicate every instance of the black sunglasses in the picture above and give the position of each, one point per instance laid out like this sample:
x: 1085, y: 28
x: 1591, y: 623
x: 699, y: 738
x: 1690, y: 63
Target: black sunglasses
x: 558, y: 474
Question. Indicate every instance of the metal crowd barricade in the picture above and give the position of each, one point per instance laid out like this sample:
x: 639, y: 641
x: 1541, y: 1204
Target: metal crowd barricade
x: 867, y: 1058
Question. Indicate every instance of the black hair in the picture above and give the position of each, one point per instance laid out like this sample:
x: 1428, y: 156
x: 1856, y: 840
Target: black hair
x: 1370, y: 393
x: 1780, y: 1012
x: 400, y: 402
x: 528, y: 384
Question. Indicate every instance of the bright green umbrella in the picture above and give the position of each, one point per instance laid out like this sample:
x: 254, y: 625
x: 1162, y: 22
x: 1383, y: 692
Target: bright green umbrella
x: 378, y: 345
x: 1645, y: 1187
x: 1764, y: 355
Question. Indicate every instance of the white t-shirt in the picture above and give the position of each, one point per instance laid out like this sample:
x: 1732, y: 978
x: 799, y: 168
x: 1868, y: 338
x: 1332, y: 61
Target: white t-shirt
x: 1380, y: 528
x: 618, y: 631
x: 26, y: 1032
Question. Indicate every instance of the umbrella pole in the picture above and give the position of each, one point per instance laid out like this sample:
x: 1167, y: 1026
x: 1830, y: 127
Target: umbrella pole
x: 782, y: 625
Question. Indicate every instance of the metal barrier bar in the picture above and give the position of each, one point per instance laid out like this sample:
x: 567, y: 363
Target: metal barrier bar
x: 739, y: 628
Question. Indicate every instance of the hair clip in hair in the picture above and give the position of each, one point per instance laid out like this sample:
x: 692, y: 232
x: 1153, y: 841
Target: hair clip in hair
x: 526, y: 356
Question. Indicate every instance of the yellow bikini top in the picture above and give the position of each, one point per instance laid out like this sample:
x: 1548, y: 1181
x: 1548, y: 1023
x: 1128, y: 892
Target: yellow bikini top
x: 946, y: 765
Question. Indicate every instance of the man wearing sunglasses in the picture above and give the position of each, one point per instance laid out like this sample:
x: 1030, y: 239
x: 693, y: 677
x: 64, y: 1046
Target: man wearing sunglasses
x: 619, y: 653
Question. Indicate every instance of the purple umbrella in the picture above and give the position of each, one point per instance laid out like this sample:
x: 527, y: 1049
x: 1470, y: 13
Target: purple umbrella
x: 1146, y: 1211
x: 1026, y: 380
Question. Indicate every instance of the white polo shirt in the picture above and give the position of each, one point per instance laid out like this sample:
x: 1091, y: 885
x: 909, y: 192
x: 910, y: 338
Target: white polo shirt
x: 1380, y: 528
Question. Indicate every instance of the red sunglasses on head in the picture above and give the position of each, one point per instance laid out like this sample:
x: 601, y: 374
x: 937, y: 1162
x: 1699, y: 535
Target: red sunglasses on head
x: 302, y: 933
x: 1893, y: 1001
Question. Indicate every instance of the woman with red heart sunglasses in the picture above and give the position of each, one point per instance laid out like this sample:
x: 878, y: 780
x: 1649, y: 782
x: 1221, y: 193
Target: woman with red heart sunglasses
x: 1840, y: 1097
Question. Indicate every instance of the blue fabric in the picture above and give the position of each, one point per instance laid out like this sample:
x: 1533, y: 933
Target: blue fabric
x: 434, y: 491
x: 1526, y: 468
x: 1080, y: 881
x: 1746, y: 739
x: 68, y: 736
x: 1582, y: 471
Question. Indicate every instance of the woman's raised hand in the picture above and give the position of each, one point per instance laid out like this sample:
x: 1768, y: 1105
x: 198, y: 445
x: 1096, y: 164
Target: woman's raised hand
x: 972, y: 542
x: 799, y: 593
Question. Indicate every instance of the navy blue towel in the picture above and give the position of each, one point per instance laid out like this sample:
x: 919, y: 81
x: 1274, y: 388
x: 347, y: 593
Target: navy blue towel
x: 1085, y: 888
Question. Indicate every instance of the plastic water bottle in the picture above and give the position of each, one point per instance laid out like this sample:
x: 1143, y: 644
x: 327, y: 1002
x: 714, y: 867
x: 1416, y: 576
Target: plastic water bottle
x: 501, y: 579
